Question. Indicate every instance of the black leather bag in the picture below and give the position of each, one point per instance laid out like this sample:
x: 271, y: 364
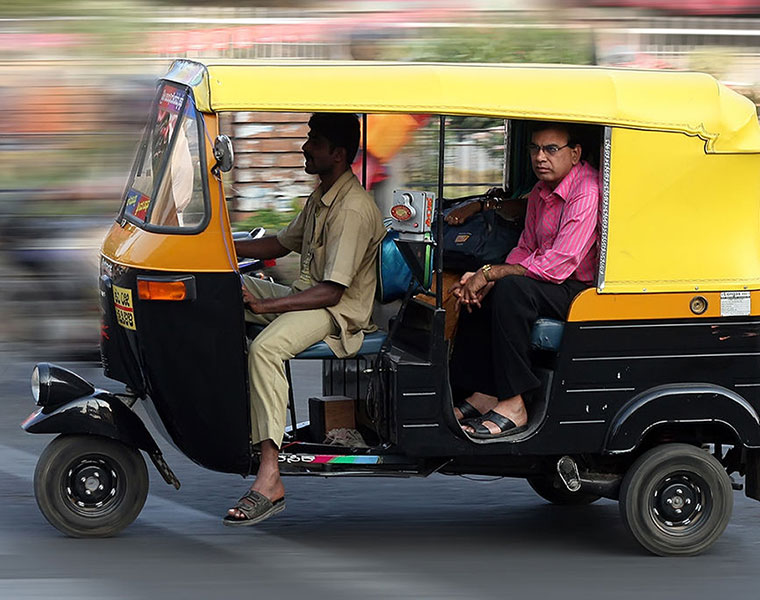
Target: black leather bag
x: 485, y: 238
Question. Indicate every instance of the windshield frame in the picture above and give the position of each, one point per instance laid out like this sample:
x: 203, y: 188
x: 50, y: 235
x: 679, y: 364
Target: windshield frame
x: 123, y: 216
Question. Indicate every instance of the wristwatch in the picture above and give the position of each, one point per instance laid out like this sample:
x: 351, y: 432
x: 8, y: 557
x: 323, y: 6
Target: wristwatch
x: 486, y: 269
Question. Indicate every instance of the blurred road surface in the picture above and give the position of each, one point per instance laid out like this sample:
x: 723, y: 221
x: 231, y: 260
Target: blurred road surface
x: 441, y: 537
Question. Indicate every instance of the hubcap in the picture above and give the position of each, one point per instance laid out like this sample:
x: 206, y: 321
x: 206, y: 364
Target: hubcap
x: 679, y: 502
x: 92, y: 486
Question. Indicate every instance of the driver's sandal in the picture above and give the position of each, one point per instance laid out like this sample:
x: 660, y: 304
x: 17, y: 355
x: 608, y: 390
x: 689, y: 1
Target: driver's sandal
x: 256, y: 507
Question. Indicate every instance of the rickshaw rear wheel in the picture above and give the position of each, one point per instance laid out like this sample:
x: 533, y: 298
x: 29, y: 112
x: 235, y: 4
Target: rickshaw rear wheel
x: 90, y: 486
x: 676, y: 500
x: 553, y: 490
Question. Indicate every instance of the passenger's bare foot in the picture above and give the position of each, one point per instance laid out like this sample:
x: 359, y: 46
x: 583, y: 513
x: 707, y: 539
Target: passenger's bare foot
x: 512, y: 408
x: 481, y: 402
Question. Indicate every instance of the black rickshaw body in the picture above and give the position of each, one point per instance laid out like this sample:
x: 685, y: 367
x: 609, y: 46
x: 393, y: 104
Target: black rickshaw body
x: 662, y: 352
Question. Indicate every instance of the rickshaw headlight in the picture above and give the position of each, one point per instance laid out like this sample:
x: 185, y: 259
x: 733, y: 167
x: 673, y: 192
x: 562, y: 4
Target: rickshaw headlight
x: 53, y: 386
x: 36, y: 385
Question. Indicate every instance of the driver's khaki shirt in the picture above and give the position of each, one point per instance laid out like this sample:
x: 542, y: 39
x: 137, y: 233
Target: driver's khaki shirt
x: 337, y: 235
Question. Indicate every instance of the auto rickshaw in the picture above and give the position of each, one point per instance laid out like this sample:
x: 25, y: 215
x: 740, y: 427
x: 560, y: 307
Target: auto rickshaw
x: 650, y: 389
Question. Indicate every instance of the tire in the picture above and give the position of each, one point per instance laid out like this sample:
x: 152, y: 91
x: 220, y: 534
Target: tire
x: 553, y: 490
x: 90, y: 486
x: 676, y: 500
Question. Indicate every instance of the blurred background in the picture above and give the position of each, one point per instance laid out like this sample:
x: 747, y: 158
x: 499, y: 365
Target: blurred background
x: 76, y: 80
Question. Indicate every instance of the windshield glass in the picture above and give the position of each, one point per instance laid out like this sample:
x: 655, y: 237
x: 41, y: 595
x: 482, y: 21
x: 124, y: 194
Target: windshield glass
x: 166, y: 188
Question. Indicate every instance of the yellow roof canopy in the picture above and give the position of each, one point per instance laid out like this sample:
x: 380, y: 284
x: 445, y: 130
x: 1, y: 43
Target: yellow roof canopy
x: 691, y: 103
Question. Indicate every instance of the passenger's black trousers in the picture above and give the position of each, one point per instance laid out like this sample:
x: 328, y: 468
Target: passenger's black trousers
x: 491, y: 350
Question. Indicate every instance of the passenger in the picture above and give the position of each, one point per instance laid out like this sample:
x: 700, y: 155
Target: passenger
x: 554, y: 260
x: 337, y: 234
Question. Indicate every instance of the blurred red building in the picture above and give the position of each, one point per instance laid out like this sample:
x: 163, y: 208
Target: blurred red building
x: 685, y: 7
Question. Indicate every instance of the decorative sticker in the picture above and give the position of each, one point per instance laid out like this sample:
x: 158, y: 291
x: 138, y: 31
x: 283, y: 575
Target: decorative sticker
x: 125, y: 312
x: 428, y: 210
x: 735, y: 304
x: 169, y: 106
x: 401, y: 212
x: 137, y: 204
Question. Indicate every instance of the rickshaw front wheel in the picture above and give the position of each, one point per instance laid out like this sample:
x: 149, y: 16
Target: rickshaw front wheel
x: 553, y: 490
x: 90, y: 486
x: 676, y: 500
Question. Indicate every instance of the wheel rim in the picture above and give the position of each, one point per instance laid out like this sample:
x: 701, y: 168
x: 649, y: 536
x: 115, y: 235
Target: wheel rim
x: 93, y: 486
x: 680, y: 503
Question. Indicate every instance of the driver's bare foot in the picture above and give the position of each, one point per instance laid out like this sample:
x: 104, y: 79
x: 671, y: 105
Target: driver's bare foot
x: 481, y: 402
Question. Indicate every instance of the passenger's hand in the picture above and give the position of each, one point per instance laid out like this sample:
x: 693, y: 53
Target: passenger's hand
x: 456, y: 289
x: 484, y: 292
x: 473, y: 289
x: 460, y: 214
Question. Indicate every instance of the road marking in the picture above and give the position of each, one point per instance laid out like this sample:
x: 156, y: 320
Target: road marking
x: 341, y: 574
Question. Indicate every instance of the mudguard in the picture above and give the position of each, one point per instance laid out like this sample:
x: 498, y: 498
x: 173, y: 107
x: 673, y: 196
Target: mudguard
x: 682, y: 403
x: 100, y: 413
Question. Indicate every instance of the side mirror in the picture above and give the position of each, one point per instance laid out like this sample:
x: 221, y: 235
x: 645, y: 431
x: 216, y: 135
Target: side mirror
x: 223, y: 153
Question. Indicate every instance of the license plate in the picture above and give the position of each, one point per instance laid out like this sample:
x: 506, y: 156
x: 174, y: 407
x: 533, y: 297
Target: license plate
x: 122, y: 301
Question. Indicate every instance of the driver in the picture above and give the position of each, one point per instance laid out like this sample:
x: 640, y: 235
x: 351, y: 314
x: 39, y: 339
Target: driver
x: 337, y: 233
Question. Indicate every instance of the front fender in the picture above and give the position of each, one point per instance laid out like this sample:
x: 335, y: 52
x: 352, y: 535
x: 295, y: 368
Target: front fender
x: 682, y: 403
x: 101, y: 413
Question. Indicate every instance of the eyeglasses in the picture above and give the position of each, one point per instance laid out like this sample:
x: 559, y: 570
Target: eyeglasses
x: 549, y: 149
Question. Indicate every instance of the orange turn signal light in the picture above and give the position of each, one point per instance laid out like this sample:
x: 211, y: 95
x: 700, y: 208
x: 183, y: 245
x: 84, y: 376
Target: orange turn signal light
x: 161, y: 290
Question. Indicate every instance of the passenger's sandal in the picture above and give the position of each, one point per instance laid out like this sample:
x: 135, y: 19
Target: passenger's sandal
x: 506, y: 426
x: 468, y: 411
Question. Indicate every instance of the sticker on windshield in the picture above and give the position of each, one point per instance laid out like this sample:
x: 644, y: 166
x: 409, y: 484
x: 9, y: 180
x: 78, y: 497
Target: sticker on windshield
x: 735, y: 304
x: 122, y: 301
x: 137, y: 204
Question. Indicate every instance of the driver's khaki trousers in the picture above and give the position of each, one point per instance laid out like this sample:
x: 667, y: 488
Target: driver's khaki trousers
x: 284, y: 336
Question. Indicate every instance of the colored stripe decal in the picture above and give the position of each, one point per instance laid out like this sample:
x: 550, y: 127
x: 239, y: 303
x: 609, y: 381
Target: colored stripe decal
x: 350, y: 460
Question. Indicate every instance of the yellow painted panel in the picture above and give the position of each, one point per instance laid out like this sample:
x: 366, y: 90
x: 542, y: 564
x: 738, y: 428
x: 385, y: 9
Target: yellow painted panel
x: 680, y: 219
x: 208, y: 251
x: 592, y: 306
x: 693, y: 103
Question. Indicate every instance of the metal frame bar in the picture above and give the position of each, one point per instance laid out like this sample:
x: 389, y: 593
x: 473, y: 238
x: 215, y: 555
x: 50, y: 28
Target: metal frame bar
x: 439, y: 214
x: 291, y: 401
x: 364, y: 150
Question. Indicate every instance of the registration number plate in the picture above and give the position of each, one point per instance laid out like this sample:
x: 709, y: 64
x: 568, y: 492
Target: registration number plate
x: 125, y: 312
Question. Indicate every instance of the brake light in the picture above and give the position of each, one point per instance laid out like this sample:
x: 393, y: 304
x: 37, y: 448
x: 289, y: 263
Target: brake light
x: 161, y: 290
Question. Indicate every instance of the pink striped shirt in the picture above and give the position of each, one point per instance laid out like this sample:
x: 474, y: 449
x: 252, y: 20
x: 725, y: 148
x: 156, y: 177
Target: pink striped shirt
x: 559, y: 241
